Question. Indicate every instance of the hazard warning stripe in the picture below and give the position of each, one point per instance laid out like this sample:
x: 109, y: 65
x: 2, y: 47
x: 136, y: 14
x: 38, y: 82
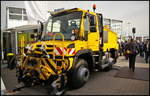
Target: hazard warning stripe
x: 52, y: 63
x: 65, y: 50
x: 66, y: 65
x: 42, y: 63
x: 71, y: 51
x: 60, y: 51
x: 74, y: 52
x: 23, y: 59
x: 48, y: 64
x: 52, y: 67
x: 56, y: 52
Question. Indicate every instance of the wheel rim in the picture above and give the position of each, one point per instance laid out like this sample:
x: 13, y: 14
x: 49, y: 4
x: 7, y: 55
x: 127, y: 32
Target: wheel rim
x: 84, y: 74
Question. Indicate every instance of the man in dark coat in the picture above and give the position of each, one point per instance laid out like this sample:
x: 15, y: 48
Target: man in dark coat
x: 146, y: 50
x: 141, y: 47
x: 132, y: 51
x: 125, y: 50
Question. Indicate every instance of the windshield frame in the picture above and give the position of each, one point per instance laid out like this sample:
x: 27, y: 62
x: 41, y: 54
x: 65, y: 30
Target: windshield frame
x: 61, y: 14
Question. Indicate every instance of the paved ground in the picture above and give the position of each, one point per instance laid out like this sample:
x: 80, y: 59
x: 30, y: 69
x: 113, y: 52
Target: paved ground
x: 100, y: 83
x: 105, y: 83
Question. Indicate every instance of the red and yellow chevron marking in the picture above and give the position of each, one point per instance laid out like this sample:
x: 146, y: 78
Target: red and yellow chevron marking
x: 65, y: 51
x: 60, y: 51
x: 71, y: 51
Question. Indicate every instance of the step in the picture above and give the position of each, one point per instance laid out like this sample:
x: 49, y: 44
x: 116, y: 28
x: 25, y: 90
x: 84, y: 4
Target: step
x: 104, y: 65
x: 95, y: 70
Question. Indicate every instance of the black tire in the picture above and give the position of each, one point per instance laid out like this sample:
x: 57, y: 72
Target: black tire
x: 80, y: 74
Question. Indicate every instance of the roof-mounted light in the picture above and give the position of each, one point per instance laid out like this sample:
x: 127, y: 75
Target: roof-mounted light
x: 94, y: 7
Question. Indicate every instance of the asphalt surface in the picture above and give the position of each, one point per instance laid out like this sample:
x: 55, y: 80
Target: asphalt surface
x: 100, y: 83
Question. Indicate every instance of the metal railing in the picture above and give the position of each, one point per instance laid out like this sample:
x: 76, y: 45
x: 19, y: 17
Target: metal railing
x: 54, y: 38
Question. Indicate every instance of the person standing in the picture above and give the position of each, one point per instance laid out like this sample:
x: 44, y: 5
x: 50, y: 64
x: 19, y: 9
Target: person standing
x: 123, y: 47
x: 125, y: 50
x: 146, y: 50
x: 132, y: 51
x: 120, y: 48
x: 142, y: 49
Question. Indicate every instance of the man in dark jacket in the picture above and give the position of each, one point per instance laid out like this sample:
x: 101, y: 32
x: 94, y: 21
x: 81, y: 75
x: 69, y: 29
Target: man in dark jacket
x: 141, y: 48
x: 146, y: 50
x: 132, y: 50
x: 125, y: 50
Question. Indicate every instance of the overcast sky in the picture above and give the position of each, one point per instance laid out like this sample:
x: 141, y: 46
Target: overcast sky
x: 134, y: 12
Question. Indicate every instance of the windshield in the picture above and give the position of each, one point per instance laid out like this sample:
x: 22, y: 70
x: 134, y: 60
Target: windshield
x: 66, y: 23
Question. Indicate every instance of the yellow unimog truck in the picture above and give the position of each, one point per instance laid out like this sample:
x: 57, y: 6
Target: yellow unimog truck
x: 73, y: 43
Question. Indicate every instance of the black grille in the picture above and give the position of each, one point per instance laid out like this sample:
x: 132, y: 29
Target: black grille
x: 37, y: 49
x: 38, y: 45
x: 35, y: 55
x: 32, y: 63
x: 49, y: 45
x: 49, y: 50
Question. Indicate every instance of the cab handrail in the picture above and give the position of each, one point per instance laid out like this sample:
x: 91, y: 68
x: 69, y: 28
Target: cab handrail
x: 54, y: 38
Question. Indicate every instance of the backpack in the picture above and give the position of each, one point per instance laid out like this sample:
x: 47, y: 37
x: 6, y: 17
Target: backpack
x: 132, y: 49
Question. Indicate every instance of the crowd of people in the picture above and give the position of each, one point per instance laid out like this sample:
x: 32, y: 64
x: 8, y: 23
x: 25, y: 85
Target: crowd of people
x: 131, y: 48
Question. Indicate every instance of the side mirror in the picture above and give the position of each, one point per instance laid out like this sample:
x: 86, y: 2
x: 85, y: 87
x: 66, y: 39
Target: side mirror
x: 42, y: 26
x: 92, y: 24
x: 40, y: 29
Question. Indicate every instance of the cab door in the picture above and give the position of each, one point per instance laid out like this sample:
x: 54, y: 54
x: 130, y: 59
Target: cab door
x: 93, y: 33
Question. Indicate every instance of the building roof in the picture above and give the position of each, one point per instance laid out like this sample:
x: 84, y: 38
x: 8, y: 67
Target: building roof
x: 24, y: 27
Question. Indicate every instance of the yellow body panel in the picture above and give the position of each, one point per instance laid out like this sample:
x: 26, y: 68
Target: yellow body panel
x: 112, y: 40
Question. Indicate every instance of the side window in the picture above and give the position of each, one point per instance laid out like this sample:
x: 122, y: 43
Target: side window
x: 100, y: 24
x: 86, y: 27
x: 56, y: 25
x: 92, y: 23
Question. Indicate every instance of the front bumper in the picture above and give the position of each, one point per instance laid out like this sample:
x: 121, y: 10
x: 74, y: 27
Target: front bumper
x: 44, y: 66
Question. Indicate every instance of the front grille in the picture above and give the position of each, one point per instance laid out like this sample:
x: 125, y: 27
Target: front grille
x: 35, y: 55
x: 49, y: 50
x: 49, y: 45
x: 32, y: 63
x: 38, y: 45
x: 37, y: 49
x: 39, y: 53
